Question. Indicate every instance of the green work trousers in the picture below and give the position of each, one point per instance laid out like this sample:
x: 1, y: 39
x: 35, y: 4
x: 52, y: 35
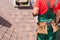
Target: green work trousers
x: 48, y: 17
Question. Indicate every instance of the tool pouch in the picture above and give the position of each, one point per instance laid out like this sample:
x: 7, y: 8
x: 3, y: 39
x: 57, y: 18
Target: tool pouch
x: 42, y: 28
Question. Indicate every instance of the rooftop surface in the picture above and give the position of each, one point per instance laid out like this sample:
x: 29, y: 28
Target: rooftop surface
x: 16, y: 24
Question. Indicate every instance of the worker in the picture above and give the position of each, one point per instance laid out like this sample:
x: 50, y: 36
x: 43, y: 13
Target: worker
x: 47, y: 12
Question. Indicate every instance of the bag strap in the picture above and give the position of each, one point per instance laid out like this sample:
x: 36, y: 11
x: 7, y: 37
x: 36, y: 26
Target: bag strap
x: 54, y: 3
x: 48, y: 2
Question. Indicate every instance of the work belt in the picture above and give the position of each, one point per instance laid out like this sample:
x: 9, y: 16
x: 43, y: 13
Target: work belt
x: 42, y: 27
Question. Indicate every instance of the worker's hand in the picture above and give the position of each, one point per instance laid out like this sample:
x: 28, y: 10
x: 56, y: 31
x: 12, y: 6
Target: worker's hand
x: 35, y: 11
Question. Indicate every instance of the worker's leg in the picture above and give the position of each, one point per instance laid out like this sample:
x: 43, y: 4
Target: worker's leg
x: 50, y: 34
x: 40, y: 36
x: 56, y: 35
